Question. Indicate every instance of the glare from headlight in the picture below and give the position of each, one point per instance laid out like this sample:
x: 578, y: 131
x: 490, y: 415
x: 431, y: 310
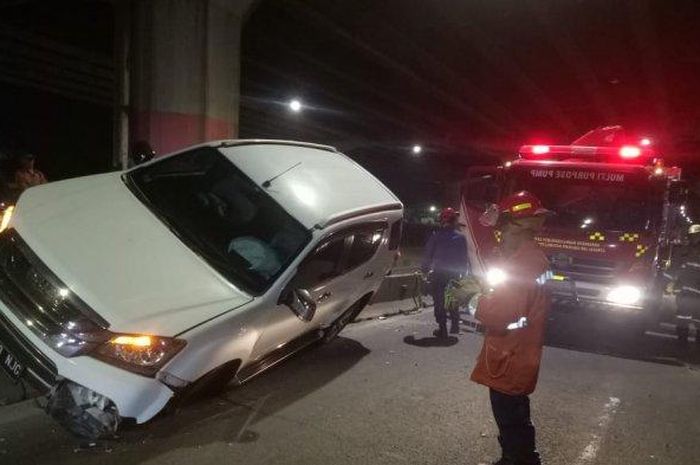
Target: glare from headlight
x: 625, y: 295
x: 6, y: 217
x: 495, y: 276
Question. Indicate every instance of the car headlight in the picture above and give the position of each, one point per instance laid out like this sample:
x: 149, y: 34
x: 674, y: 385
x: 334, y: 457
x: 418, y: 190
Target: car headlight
x: 142, y: 354
x: 6, y: 217
x: 495, y: 276
x: 625, y: 295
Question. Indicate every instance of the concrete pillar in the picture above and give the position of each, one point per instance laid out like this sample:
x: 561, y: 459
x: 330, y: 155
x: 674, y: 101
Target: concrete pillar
x: 185, y: 71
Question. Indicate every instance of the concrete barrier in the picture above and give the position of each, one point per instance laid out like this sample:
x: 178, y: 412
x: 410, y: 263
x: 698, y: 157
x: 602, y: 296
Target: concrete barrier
x: 399, y: 287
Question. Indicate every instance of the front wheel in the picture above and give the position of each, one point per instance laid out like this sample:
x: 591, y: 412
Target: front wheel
x: 343, y: 320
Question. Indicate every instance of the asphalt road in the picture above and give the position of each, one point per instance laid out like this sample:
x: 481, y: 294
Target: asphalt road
x: 385, y: 393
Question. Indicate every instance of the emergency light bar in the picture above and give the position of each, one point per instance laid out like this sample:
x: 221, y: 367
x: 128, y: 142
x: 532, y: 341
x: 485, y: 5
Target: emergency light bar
x: 604, y: 154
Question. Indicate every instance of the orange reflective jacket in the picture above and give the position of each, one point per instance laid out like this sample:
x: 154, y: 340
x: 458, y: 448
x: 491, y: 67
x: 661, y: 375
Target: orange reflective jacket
x: 509, y: 361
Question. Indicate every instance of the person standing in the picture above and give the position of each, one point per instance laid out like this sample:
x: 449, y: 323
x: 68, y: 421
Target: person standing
x: 688, y: 287
x: 513, y: 313
x: 26, y: 174
x: 445, y: 257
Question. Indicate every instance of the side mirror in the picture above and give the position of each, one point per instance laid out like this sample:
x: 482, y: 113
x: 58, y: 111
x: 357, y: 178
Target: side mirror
x: 301, y: 303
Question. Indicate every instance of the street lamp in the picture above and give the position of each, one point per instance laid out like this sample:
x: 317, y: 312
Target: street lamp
x: 417, y: 149
x: 295, y: 105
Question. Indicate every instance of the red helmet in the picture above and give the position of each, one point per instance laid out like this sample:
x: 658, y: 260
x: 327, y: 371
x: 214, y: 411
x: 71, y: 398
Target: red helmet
x: 522, y: 205
x: 448, y: 215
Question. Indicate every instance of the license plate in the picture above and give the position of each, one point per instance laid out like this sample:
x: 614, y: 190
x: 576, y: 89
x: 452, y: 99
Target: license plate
x: 10, y: 365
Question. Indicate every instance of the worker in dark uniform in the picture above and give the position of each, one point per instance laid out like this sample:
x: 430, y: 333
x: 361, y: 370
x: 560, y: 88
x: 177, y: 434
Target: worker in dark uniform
x: 513, y: 309
x: 445, y: 258
x: 687, y: 286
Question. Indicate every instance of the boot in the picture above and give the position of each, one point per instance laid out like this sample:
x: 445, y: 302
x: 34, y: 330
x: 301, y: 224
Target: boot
x: 441, y: 332
x: 504, y: 461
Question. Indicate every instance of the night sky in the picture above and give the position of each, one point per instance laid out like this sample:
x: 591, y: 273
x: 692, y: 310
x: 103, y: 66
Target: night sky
x: 469, y: 80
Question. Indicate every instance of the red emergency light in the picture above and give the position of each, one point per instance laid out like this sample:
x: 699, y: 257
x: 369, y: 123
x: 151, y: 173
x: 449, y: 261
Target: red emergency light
x: 630, y: 151
x: 626, y: 153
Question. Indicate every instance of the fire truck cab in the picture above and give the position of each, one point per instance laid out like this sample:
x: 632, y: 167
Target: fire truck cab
x: 614, y: 203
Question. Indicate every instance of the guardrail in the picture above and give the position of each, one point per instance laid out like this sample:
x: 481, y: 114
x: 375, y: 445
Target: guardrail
x: 400, y: 286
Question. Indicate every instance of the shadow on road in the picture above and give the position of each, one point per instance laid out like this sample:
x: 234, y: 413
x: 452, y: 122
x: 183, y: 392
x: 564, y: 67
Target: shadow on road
x: 595, y: 332
x: 229, y: 418
x: 431, y: 341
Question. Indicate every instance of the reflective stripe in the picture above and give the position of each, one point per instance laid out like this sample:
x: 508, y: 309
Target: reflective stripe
x: 693, y: 264
x: 521, y: 323
x: 691, y: 289
x: 521, y: 206
x: 544, y: 277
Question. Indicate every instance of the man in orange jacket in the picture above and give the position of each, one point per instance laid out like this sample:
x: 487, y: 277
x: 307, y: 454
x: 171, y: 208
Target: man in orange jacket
x: 513, y: 309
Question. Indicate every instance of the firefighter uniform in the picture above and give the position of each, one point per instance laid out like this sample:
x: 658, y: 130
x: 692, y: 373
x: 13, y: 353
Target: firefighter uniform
x: 510, y: 358
x: 514, y: 314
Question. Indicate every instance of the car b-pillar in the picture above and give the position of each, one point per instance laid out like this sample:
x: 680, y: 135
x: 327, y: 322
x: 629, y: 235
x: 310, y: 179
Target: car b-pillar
x: 184, y: 71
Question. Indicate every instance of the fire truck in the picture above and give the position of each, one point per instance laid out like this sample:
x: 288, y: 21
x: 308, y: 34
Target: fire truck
x: 616, y: 216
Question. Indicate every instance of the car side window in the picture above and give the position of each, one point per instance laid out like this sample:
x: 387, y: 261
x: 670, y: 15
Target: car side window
x: 364, y: 245
x: 323, y: 264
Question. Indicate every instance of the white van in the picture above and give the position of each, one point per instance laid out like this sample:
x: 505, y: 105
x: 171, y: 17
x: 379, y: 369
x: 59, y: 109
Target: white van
x: 120, y: 291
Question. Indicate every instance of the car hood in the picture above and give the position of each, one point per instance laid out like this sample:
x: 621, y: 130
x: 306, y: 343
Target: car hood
x: 113, y: 252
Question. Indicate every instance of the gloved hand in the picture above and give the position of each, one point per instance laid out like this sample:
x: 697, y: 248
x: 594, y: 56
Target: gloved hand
x: 459, y: 292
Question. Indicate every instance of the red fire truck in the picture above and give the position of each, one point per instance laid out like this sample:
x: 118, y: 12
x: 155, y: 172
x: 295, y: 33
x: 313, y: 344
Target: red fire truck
x: 616, y: 206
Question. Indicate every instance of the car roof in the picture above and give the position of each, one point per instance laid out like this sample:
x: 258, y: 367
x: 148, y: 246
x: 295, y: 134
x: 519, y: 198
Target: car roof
x: 315, y: 183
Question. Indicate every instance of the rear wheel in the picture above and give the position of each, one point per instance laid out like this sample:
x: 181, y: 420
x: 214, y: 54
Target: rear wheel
x: 345, y: 319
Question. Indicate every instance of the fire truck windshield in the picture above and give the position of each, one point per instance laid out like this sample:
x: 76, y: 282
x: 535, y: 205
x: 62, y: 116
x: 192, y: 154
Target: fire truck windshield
x: 592, y: 200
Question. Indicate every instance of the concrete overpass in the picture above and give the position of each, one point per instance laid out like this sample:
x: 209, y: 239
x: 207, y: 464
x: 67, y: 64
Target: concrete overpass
x: 170, y: 76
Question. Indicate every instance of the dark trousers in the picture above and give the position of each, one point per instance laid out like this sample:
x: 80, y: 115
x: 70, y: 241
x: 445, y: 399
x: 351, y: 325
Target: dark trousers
x: 515, y: 430
x: 688, y: 311
x: 439, y: 284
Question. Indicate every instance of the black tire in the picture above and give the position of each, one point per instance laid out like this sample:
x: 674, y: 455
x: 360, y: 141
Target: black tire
x: 345, y: 319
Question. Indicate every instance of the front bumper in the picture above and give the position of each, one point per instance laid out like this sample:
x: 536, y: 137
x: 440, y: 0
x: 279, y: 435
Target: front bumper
x: 588, y: 294
x: 135, y: 396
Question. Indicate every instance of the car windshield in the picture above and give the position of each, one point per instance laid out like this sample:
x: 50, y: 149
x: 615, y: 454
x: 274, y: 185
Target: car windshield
x: 222, y: 215
x: 589, y: 199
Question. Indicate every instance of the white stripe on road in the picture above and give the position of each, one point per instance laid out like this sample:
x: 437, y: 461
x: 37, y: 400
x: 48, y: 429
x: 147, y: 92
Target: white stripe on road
x: 590, y: 452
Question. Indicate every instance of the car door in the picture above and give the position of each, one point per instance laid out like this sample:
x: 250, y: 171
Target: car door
x: 363, y: 266
x: 319, y: 274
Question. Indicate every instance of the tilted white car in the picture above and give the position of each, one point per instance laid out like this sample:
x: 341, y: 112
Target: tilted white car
x: 120, y: 291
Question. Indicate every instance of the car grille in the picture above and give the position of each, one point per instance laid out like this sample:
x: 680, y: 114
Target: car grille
x: 583, y: 269
x: 41, y: 371
x: 35, y: 295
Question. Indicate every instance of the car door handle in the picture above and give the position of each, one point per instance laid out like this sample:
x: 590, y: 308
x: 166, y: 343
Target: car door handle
x: 369, y: 274
x: 323, y: 297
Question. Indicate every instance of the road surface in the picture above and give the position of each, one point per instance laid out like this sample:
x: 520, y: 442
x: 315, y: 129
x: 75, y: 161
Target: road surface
x: 385, y: 393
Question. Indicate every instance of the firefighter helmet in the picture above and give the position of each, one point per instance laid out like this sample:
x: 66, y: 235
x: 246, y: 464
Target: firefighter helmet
x: 522, y: 205
x: 448, y: 215
x: 516, y: 206
x: 694, y: 229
